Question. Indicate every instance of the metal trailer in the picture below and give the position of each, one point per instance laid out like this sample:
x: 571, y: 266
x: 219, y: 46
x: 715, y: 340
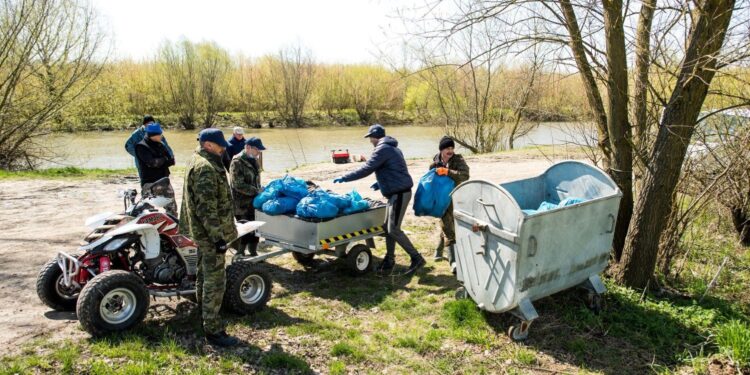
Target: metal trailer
x: 506, y: 259
x: 350, y: 236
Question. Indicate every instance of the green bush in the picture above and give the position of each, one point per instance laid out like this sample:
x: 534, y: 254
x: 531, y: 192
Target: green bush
x: 733, y: 339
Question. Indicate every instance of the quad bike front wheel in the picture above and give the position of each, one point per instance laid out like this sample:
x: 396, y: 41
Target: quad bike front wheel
x: 52, y: 290
x: 248, y: 288
x: 112, y: 301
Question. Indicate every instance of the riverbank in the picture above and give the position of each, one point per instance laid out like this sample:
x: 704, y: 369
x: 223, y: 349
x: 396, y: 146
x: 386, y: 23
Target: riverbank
x: 320, y: 320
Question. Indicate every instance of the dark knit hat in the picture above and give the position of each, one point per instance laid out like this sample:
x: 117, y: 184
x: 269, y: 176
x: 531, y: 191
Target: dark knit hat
x: 147, y: 119
x: 446, y: 142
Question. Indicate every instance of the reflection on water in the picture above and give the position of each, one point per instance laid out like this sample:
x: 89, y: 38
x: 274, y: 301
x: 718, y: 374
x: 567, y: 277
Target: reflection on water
x: 286, y: 148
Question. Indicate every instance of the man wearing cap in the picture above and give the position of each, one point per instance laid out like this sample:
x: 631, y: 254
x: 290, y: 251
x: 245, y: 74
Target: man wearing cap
x: 245, y: 181
x: 395, y: 183
x: 155, y: 160
x: 236, y: 142
x: 448, y: 163
x: 206, y: 216
x: 137, y: 136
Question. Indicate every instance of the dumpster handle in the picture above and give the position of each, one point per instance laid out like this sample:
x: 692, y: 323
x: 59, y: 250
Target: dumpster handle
x: 612, y: 225
x: 532, y: 246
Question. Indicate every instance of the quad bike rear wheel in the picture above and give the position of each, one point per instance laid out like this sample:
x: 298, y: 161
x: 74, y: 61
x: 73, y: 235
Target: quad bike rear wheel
x: 51, y: 289
x: 248, y: 288
x: 112, y: 301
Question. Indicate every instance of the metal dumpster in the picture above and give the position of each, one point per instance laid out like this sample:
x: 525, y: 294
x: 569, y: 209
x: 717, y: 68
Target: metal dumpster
x: 506, y: 259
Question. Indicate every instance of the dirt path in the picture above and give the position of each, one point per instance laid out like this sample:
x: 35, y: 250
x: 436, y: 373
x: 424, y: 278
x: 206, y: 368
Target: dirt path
x: 41, y: 217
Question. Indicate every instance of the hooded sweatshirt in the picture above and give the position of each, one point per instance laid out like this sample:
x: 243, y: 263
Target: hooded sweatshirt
x: 389, y: 166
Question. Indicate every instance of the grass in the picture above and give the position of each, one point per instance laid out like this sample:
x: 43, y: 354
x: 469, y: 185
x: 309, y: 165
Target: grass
x: 67, y: 173
x: 326, y: 321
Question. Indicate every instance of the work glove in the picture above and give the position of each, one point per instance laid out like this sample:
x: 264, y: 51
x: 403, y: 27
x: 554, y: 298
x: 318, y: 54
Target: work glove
x: 375, y: 186
x: 338, y: 181
x: 442, y: 171
x: 221, y: 246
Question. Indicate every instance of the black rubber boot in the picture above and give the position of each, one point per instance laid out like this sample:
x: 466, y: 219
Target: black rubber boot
x: 439, y: 251
x: 252, y: 249
x: 416, y: 264
x: 222, y: 339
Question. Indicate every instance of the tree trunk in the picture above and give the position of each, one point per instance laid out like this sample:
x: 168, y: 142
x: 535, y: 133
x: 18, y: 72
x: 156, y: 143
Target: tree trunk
x: 640, y: 87
x: 741, y: 221
x: 589, y: 83
x: 677, y: 125
x: 621, y: 168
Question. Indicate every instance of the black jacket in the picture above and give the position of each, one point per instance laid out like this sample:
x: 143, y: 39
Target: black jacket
x: 388, y: 163
x: 154, y: 159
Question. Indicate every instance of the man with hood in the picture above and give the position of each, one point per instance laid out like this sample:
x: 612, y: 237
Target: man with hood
x: 155, y: 159
x: 448, y: 163
x: 395, y: 183
x: 137, y: 136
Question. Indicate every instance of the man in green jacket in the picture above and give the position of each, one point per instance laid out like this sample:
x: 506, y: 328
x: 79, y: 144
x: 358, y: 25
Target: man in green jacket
x: 448, y: 163
x: 206, y: 216
x: 245, y: 180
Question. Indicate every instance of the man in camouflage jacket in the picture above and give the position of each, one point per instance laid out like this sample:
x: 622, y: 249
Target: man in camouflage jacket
x: 245, y: 173
x: 453, y: 165
x: 206, y: 215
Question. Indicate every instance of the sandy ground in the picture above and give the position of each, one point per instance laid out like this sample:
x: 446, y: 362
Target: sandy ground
x: 41, y: 217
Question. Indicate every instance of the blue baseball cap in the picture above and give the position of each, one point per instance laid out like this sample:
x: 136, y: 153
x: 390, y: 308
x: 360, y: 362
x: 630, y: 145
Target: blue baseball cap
x: 255, y: 142
x: 377, y: 131
x: 213, y: 135
x: 153, y: 128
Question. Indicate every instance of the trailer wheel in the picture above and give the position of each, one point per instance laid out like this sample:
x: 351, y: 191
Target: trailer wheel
x: 248, y: 288
x: 307, y: 260
x: 461, y: 293
x: 359, y: 260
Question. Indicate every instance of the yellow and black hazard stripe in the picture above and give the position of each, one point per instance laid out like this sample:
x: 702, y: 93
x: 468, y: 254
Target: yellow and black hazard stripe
x: 351, y: 235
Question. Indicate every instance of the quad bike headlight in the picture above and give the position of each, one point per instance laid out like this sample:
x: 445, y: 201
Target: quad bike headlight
x: 116, y: 244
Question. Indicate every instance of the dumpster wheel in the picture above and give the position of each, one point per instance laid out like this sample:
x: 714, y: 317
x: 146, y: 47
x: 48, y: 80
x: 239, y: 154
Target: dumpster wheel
x: 519, y: 332
x: 359, y: 260
x: 595, y: 303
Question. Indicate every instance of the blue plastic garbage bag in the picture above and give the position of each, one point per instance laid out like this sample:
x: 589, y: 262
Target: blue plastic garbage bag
x: 546, y: 206
x: 264, y: 197
x: 317, y: 205
x: 280, y: 206
x: 357, y: 203
x: 570, y: 201
x: 342, y: 201
x: 293, y: 187
x: 433, y: 194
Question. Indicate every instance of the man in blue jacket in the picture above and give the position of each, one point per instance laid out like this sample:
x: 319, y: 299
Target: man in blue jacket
x: 394, y: 181
x: 137, y: 136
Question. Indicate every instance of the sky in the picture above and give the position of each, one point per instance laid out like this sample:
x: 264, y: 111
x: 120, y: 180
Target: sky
x: 336, y: 31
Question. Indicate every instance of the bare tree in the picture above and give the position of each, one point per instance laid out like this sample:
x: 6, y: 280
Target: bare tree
x: 289, y: 83
x: 49, y: 55
x: 214, y: 65
x: 178, y: 63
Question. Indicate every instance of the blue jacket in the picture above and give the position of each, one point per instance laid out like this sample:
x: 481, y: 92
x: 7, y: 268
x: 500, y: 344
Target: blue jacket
x: 135, y: 138
x: 388, y: 163
x: 235, y: 146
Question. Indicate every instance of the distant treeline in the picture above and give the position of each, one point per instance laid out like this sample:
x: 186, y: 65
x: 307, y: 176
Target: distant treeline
x: 193, y: 85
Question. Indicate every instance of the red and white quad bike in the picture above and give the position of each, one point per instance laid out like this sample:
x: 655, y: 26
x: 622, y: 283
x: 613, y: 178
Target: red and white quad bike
x: 133, y: 255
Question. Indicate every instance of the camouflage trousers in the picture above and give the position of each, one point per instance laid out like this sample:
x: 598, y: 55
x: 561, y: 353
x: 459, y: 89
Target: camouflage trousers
x: 161, y: 189
x: 211, y: 285
x: 448, y: 227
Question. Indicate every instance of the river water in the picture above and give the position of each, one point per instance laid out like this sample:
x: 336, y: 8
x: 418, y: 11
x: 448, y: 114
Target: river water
x: 286, y: 148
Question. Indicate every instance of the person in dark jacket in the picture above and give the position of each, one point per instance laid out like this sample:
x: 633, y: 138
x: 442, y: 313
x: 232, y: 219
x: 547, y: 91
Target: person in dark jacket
x: 394, y: 181
x: 244, y: 175
x: 137, y: 136
x: 155, y: 160
x: 448, y: 163
x: 236, y: 142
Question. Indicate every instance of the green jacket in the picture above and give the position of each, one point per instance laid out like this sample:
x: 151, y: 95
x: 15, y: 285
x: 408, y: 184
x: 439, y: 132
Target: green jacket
x: 245, y: 179
x: 458, y: 170
x: 206, y: 212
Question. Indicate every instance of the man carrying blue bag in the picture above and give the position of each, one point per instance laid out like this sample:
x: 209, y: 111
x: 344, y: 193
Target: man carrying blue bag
x: 448, y: 163
x: 394, y: 181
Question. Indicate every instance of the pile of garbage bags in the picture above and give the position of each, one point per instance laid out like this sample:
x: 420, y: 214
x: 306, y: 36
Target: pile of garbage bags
x: 290, y: 195
x: 433, y: 194
x: 547, y: 206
